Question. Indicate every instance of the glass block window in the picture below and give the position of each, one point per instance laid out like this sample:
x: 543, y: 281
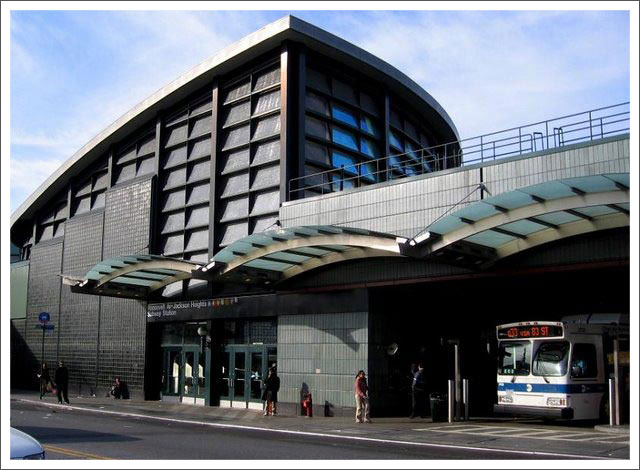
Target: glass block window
x: 343, y: 114
x: 346, y: 138
x: 89, y: 193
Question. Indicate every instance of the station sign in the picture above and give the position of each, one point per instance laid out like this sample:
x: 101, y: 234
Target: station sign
x: 44, y: 317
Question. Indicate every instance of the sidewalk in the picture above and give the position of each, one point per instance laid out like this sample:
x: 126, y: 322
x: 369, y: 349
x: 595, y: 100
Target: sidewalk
x: 508, y: 435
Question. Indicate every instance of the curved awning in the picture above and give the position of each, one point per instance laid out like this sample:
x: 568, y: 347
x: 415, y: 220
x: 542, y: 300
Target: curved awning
x: 508, y: 223
x: 134, y: 276
x: 278, y: 255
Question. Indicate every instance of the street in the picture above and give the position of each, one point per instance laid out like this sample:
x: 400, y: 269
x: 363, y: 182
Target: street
x: 68, y: 433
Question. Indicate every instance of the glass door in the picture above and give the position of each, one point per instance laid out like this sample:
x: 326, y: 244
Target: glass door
x: 172, y: 371
x: 244, y: 369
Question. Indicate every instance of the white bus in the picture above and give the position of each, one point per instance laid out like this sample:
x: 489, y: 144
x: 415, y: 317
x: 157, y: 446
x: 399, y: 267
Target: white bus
x: 558, y: 369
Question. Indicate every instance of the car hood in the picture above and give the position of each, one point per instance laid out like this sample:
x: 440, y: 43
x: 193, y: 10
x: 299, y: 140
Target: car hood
x: 23, y: 444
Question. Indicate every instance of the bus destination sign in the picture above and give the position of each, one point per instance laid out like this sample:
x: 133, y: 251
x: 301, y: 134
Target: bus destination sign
x: 530, y: 331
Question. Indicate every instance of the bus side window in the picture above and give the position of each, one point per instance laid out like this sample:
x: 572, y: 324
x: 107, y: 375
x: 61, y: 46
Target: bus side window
x: 583, y: 361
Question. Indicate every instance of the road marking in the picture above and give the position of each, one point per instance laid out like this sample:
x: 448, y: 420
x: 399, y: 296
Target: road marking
x: 74, y: 453
x: 320, y: 434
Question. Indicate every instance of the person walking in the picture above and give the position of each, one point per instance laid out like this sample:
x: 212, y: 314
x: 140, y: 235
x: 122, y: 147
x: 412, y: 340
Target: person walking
x: 45, y: 380
x: 418, y: 393
x: 270, y: 394
x: 120, y: 389
x: 361, y: 390
x: 62, y: 382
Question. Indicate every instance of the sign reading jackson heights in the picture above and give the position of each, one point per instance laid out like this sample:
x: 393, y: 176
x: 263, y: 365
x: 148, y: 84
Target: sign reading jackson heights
x: 186, y: 309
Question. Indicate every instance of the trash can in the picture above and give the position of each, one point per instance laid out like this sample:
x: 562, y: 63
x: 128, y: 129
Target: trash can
x: 439, y: 404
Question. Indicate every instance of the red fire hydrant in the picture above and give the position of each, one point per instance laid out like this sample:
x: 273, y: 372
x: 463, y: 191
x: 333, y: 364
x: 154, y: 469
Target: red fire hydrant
x: 307, y: 405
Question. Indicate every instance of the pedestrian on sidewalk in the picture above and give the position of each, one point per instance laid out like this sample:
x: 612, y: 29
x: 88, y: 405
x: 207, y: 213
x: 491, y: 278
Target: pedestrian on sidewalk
x: 45, y: 380
x: 361, y: 390
x: 418, y: 393
x: 270, y: 394
x: 62, y: 382
x: 120, y: 389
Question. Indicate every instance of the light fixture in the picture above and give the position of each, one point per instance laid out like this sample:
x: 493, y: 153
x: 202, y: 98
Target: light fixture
x: 420, y: 238
x: 208, y: 266
x: 401, y: 240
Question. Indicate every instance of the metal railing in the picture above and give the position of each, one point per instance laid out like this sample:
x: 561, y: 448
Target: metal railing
x: 554, y: 133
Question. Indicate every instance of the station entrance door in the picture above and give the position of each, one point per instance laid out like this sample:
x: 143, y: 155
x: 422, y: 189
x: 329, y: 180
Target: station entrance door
x: 243, y: 371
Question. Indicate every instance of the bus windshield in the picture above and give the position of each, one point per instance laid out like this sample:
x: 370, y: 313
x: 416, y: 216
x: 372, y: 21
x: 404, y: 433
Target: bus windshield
x: 514, y: 358
x: 551, y: 359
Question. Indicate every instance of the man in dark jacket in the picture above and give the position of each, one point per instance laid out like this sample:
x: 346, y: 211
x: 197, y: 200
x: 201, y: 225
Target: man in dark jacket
x: 62, y: 382
x: 270, y: 395
x: 418, y: 393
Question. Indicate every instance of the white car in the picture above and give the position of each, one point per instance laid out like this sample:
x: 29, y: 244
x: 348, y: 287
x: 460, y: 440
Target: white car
x: 25, y: 447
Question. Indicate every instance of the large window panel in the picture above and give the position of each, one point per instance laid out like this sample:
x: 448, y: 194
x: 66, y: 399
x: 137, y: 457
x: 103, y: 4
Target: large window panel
x: 82, y: 190
x: 200, y: 148
x: 396, y: 141
x: 344, y: 91
x: 266, y: 202
x: 198, y: 194
x: 317, y: 103
x: 175, y: 135
x: 369, y: 126
x: 229, y: 233
x: 235, y: 137
x: 260, y: 224
x: 172, y: 244
x: 126, y: 156
x: 237, y: 113
x: 147, y: 146
x: 266, y: 78
x: 266, y: 177
x: 317, y: 152
x: 199, y: 170
x: 174, y: 177
x: 234, y: 184
x: 197, y: 216
x: 345, y: 115
x: 317, y: 128
x: 267, y: 102
x: 267, y: 126
x: 126, y: 172
x: 318, y: 80
x: 172, y: 222
x: 176, y: 117
x: 101, y: 181
x: 98, y: 200
x: 370, y: 148
x: 83, y: 205
x: 338, y: 159
x: 197, y: 240
x: 410, y: 129
x: 146, y: 166
x: 266, y: 152
x: 234, y: 161
x: 369, y: 104
x: 237, y: 91
x: 234, y: 208
x: 200, y: 126
x: 173, y: 200
x: 346, y: 138
x: 47, y: 233
x: 201, y: 107
x: 175, y: 156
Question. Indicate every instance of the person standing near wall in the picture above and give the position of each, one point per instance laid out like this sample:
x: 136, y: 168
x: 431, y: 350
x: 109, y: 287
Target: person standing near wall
x: 62, y: 382
x: 270, y: 395
x: 418, y: 393
x: 45, y: 380
x: 361, y: 390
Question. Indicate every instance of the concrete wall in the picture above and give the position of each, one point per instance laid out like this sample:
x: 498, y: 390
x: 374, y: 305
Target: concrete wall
x: 323, y: 352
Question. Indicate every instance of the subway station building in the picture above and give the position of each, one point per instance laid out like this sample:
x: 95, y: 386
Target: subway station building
x: 296, y: 201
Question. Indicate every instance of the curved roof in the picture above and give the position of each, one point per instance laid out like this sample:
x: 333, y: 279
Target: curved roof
x: 508, y: 223
x: 251, y: 46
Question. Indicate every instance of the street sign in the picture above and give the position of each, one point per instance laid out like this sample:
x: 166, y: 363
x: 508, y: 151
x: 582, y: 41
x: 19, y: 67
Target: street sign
x: 44, y: 317
x: 45, y: 326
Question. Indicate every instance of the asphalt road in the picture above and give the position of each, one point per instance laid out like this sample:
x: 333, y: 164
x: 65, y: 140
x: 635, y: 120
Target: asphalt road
x: 76, y: 434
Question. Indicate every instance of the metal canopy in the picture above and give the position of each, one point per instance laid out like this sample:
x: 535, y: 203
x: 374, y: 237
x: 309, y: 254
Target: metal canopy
x: 278, y: 255
x: 513, y: 221
x: 133, y: 276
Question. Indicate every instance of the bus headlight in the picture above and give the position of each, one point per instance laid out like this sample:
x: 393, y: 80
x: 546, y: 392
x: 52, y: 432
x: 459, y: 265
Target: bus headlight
x: 555, y: 401
x: 505, y: 399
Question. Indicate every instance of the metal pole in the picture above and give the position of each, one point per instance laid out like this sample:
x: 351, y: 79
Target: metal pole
x: 42, y: 325
x: 450, y: 400
x: 465, y: 398
x: 616, y: 376
x: 458, y: 393
x: 612, y: 400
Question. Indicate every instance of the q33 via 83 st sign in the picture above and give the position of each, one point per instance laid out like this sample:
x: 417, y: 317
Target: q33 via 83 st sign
x: 530, y: 331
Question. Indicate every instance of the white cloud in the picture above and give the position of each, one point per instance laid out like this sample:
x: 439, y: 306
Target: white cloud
x: 28, y: 174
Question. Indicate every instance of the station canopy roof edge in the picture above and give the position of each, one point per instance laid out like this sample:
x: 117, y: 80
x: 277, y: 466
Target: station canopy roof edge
x: 494, y: 227
x: 261, y: 258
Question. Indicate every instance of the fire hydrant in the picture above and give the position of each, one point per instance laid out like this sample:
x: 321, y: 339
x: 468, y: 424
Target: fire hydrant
x: 307, y: 405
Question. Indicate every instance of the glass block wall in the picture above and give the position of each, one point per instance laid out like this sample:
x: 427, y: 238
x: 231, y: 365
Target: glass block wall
x: 405, y: 141
x: 248, y: 162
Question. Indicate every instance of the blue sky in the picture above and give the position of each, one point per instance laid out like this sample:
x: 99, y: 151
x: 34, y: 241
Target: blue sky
x: 75, y: 72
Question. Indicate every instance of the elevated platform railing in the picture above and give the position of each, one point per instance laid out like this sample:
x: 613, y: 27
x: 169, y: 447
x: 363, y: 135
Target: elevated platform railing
x: 592, y: 125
